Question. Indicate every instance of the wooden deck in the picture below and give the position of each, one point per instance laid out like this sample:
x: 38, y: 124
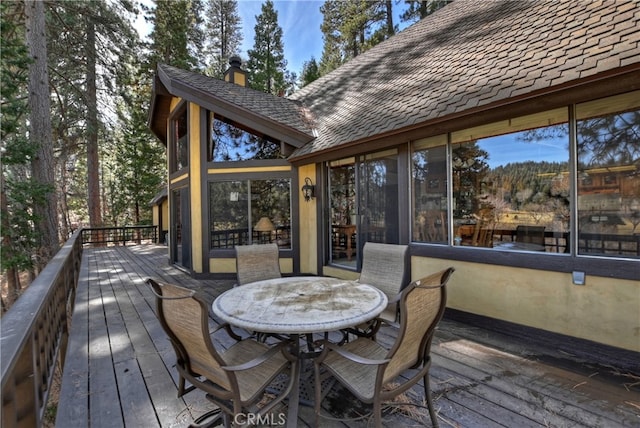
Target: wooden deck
x: 119, y: 368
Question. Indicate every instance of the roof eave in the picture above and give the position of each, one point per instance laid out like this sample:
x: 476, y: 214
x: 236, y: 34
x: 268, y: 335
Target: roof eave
x: 610, y: 82
x: 259, y: 123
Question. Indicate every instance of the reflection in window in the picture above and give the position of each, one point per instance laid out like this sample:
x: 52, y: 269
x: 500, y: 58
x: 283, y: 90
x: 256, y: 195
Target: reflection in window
x: 609, y: 188
x: 342, y: 192
x: 364, y: 204
x: 228, y: 142
x: 378, y: 198
x: 179, y: 142
x: 250, y: 212
x: 429, y: 174
x: 510, y: 190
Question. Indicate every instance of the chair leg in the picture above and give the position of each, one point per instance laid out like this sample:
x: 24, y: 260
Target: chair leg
x: 377, y: 412
x: 427, y: 396
x: 181, y: 390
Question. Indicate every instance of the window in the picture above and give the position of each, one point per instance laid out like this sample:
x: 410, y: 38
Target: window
x: 505, y: 184
x: 228, y: 142
x: 179, y: 141
x: 363, y: 195
x: 509, y: 182
x: 512, y: 183
x: 609, y: 187
x: 245, y: 212
x: 429, y: 188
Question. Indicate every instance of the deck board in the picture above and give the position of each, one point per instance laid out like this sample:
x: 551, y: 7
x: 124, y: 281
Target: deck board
x: 120, y: 367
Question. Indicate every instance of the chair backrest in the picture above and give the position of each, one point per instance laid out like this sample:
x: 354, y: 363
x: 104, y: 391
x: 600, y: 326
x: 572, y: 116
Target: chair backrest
x: 184, y: 317
x: 530, y: 234
x: 257, y: 262
x: 422, y: 305
x: 385, y: 266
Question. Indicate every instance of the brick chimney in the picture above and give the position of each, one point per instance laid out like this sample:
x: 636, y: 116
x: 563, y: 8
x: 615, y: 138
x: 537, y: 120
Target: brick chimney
x: 235, y: 74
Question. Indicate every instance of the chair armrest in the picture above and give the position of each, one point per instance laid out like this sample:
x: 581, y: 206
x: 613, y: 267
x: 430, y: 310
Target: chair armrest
x: 229, y: 330
x: 257, y: 360
x: 350, y: 355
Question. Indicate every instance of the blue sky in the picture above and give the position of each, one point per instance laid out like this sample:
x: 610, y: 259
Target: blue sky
x: 300, y: 22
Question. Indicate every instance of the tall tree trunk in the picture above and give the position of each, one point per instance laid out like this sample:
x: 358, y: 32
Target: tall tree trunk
x: 42, y: 165
x: 389, y: 10
x: 63, y: 192
x: 93, y: 162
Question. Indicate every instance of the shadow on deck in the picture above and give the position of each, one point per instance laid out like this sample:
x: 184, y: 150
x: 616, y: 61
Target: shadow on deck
x: 120, y: 370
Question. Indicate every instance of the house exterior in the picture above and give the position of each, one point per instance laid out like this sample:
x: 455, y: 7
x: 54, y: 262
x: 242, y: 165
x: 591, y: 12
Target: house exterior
x: 502, y: 138
x: 160, y: 214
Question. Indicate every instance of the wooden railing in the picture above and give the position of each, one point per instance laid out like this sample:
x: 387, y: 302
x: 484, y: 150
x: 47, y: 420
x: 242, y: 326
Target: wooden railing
x: 119, y: 235
x: 34, y: 337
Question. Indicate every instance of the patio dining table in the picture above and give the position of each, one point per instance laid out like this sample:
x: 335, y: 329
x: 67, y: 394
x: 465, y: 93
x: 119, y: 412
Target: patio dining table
x: 299, y: 305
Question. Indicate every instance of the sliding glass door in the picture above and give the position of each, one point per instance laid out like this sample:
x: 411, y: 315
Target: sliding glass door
x: 363, y: 194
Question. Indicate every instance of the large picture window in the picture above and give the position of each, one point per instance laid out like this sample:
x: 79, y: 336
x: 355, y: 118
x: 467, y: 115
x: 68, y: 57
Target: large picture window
x: 244, y: 212
x: 509, y: 183
x: 515, y: 187
x: 512, y: 191
x: 228, y: 142
x: 608, y: 178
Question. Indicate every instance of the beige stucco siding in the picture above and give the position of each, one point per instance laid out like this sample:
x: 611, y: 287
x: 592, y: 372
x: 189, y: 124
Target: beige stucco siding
x: 308, y: 220
x: 604, y: 310
x: 195, y: 176
x: 229, y: 265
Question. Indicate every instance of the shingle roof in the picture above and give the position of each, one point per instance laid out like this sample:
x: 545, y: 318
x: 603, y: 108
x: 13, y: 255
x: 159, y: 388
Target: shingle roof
x: 469, y: 54
x: 274, y: 110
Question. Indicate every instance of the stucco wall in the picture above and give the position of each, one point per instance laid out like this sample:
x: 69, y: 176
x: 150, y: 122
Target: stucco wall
x: 308, y: 221
x: 195, y: 177
x: 603, y: 310
x: 229, y: 265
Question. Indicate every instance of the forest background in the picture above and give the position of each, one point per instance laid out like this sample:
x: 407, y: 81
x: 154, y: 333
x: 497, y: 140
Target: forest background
x: 75, y: 83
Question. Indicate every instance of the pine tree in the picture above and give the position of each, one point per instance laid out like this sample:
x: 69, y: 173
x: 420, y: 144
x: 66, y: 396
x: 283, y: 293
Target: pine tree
x: 223, y: 35
x: 138, y: 164
x: 310, y: 72
x: 177, y: 36
x: 332, y: 53
x: 266, y: 65
x: 42, y: 163
x: 18, y: 235
x: 351, y: 27
x: 418, y: 9
x: 88, y: 39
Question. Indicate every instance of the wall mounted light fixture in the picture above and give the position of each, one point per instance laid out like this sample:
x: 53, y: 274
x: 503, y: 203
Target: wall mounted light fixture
x: 308, y: 190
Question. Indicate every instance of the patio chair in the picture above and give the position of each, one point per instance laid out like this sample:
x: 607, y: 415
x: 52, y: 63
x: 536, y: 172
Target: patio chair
x: 235, y: 379
x: 386, y: 267
x: 257, y: 262
x: 365, y: 367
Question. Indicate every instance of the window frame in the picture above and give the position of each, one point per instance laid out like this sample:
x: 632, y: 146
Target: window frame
x: 257, y: 174
x: 606, y: 266
x: 181, y: 112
